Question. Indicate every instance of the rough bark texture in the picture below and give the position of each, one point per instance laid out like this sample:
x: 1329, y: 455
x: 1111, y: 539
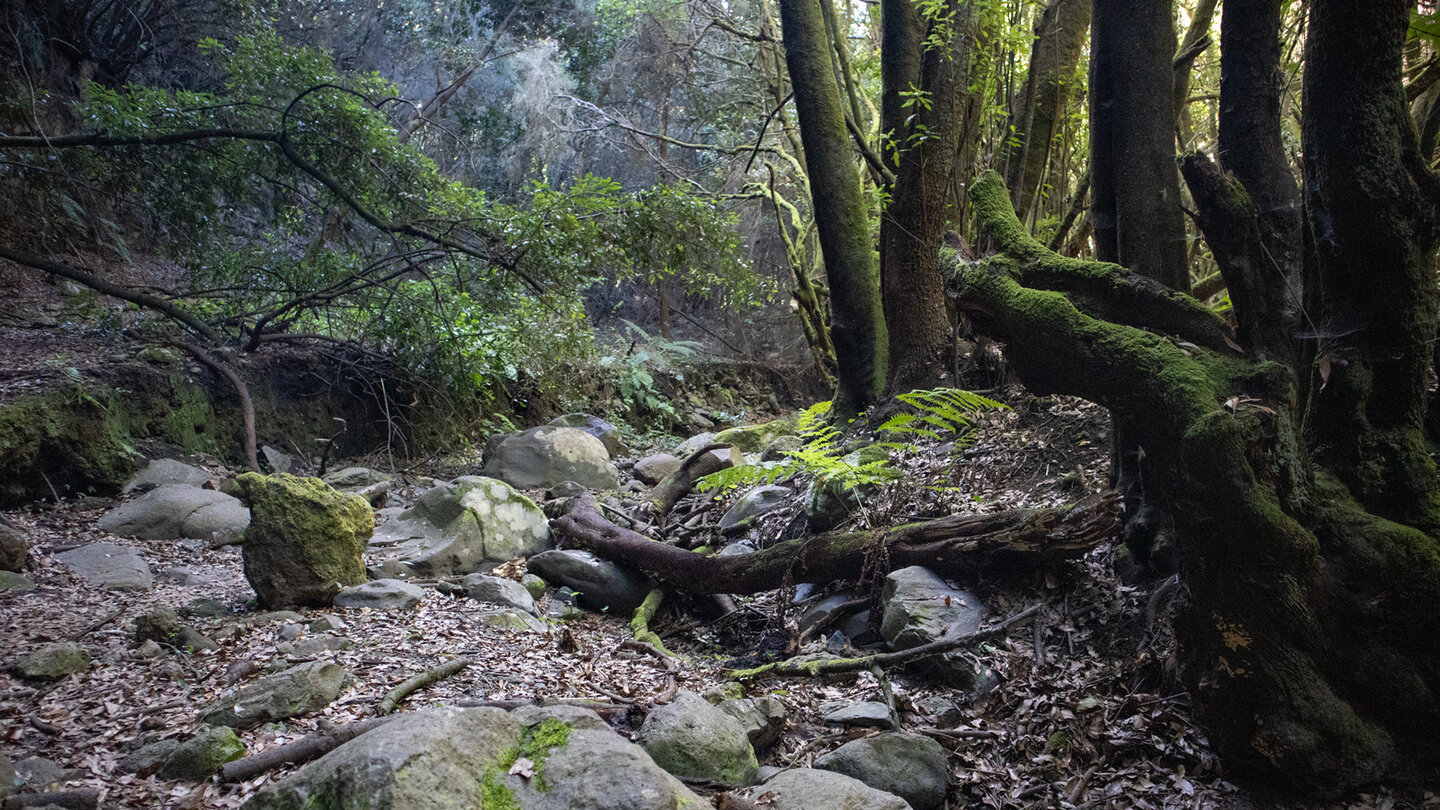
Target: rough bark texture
x: 1133, y: 182
x: 949, y: 545
x: 933, y: 56
x: 858, y: 327
x: 1054, y: 56
x: 1309, y: 639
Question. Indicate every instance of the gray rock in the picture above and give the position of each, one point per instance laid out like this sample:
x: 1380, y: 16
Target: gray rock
x: 608, y: 434
x: 823, y: 613
x: 652, y: 469
x: 14, y: 548
x: 38, y: 773
x: 109, y: 566
x: 149, y: 649
x: 160, y: 624
x: 7, y: 777
x: 499, y: 590
x: 828, y: 504
x: 911, y: 766
x: 810, y: 789
x: 278, y: 461
x: 466, y: 525
x: 306, y: 540
x: 690, y: 738
x: 781, y: 448
x: 148, y: 758
x: 736, y: 549
x: 456, y: 758
x: 533, y: 585
x: 763, y: 719
x: 601, y: 585
x: 10, y: 581
x: 315, y: 645
x: 192, y: 640
x: 164, y: 471
x: 324, y: 624
x: 920, y: 607
x: 205, y: 606
x: 53, y: 661
x: 195, y: 759
x: 864, y: 714
x: 565, y: 489
x: 754, y: 438
x: 512, y: 620
x: 946, y: 713
x: 544, y: 456
x: 684, y: 449
x: 298, y: 690
x: 173, y: 511
x: 755, y: 502
x: 381, y: 594
x: 181, y: 575
x: 350, y: 479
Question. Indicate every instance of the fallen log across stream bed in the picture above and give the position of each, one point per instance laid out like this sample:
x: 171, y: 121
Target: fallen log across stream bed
x: 949, y: 545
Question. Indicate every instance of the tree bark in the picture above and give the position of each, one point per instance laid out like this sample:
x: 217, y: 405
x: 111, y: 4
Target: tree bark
x: 1054, y: 56
x: 1309, y: 639
x: 948, y: 545
x: 931, y: 57
x: 858, y: 327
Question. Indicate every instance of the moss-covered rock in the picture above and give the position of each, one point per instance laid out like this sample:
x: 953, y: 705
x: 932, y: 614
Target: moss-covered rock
x: 754, y: 438
x: 53, y: 662
x: 690, y: 738
x: 305, y: 539
x: 202, y: 755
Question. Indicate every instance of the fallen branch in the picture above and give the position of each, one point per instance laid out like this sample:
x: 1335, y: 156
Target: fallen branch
x: 424, y: 679
x: 82, y: 799
x: 301, y: 751
x: 640, y: 623
x: 828, y: 666
x: 949, y: 545
x: 678, y: 484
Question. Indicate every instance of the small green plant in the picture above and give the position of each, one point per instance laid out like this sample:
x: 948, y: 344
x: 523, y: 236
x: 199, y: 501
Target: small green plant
x: 939, y: 414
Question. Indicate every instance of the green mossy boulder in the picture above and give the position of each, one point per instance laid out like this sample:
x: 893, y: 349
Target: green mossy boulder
x: 692, y: 739
x: 305, y: 540
x: 53, y: 662
x: 754, y: 438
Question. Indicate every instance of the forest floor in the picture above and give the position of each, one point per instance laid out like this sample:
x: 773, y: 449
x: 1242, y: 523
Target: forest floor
x: 1085, y: 710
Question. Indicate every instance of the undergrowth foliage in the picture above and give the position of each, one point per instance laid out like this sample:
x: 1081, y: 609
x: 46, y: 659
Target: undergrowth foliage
x: 941, y: 414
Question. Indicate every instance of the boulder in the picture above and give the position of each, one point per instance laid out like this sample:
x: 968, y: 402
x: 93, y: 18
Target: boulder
x: 686, y: 448
x: 38, y: 773
x: 462, y: 526
x: 116, y: 568
x: 652, y: 469
x: 463, y: 757
x: 534, y: 585
x: 305, y: 541
x: 690, y: 738
x: 349, y: 479
x: 277, y: 460
x: 164, y: 471
x: 53, y: 662
x: 14, y: 548
x: 601, y: 585
x: 911, y: 766
x: 811, y: 789
x: 160, y: 624
x: 11, y: 581
x: 754, y: 438
x: 298, y: 690
x: 763, y: 718
x: 863, y: 714
x: 608, y: 434
x: 544, y: 456
x: 512, y: 620
x: 381, y: 594
x: 173, y: 511
x: 499, y: 590
x: 920, y: 607
x: 195, y: 759
x: 755, y: 502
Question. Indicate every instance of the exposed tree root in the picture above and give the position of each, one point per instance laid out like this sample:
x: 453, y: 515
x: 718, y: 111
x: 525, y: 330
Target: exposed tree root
x: 302, y: 750
x: 678, y: 484
x: 640, y: 623
x: 424, y: 679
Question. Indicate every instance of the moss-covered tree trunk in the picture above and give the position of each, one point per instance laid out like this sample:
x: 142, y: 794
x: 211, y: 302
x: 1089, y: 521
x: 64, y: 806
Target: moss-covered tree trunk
x: 858, y: 324
x: 925, y: 60
x: 1303, y: 503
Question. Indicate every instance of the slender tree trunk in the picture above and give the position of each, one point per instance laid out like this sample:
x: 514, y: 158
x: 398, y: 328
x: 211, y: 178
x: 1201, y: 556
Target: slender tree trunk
x: 927, y: 134
x: 858, y: 327
x: 1054, y: 55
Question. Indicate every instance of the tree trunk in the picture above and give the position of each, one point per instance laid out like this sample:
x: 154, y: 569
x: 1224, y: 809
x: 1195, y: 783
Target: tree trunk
x: 930, y: 56
x: 858, y: 326
x: 1054, y: 55
x: 1309, y: 639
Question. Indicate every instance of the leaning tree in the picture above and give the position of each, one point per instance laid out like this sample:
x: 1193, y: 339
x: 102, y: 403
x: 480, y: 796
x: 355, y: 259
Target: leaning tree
x: 1289, y: 451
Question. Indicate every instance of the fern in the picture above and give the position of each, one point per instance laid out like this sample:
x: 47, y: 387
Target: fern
x: 939, y: 414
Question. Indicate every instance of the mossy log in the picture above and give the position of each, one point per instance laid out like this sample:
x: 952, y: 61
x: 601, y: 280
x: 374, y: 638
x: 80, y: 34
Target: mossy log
x: 948, y: 545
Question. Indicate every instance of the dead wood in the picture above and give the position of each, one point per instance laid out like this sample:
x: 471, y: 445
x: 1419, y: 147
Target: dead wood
x: 82, y: 799
x: 420, y: 681
x: 298, y: 752
x: 678, y: 484
x: 948, y: 545
x: 829, y: 666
